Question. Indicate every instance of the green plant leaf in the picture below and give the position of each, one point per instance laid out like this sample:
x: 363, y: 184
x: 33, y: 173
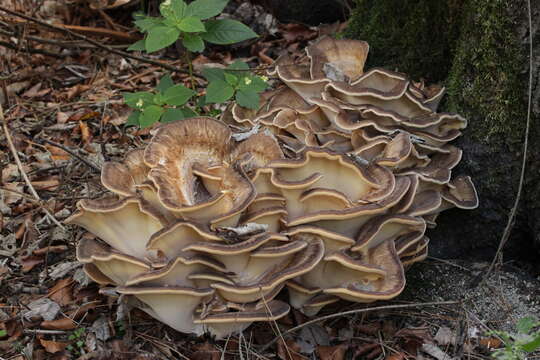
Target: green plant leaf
x: 204, y: 9
x: 238, y: 65
x: 231, y: 79
x: 139, y: 45
x: 218, y: 91
x: 150, y: 115
x: 213, y: 74
x: 3, y: 333
x: 158, y: 99
x: 201, y: 101
x: 164, y: 83
x: 189, y: 112
x: 133, y: 119
x: 248, y: 99
x: 147, y: 23
x: 252, y: 83
x: 179, y: 8
x: 173, y: 9
x: 526, y: 324
x: 193, y: 43
x: 172, y: 115
x: 191, y: 24
x: 138, y: 100
x: 177, y: 95
x: 532, y: 345
x: 160, y: 37
x: 226, y: 31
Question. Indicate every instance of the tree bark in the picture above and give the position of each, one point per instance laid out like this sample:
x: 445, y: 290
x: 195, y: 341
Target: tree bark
x: 479, y: 49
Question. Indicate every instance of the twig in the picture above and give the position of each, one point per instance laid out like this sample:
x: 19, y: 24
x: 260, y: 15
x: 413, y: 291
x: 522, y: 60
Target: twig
x: 356, y: 311
x: 512, y: 216
x: 96, y: 43
x: 74, y: 154
x: 31, y: 50
x: 44, y: 331
x: 21, y: 169
x: 60, y: 43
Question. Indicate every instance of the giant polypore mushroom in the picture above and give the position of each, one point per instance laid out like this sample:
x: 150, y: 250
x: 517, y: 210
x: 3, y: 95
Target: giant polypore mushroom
x: 325, y: 191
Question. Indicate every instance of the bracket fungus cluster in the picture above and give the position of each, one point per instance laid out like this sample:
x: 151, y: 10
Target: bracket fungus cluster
x: 325, y: 191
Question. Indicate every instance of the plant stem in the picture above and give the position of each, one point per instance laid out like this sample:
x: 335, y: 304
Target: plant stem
x: 190, y: 68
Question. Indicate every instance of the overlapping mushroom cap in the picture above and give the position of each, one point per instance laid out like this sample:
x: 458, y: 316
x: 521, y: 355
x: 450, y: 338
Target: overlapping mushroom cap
x: 326, y: 190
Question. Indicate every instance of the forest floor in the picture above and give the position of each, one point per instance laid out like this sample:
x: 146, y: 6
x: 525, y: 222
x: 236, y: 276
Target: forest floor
x: 65, y: 115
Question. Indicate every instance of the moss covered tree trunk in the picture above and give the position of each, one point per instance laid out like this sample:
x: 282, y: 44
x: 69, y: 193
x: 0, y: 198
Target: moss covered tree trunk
x: 479, y: 50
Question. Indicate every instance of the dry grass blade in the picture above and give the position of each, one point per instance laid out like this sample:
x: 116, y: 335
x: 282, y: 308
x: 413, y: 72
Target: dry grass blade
x: 21, y: 169
x: 357, y: 311
x: 93, y: 42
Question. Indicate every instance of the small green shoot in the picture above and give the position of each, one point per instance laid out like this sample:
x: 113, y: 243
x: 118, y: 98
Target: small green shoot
x: 237, y: 81
x: 518, y: 345
x: 77, y: 341
x: 165, y: 104
x: 189, y: 23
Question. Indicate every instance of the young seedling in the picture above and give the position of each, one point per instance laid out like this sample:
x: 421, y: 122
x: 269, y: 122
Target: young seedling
x: 166, y: 103
x: 237, y: 81
x: 518, y: 345
x: 77, y: 339
x: 190, y: 23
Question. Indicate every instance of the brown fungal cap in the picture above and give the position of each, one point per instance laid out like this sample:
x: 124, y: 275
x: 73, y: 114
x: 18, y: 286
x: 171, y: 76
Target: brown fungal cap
x: 326, y: 190
x: 346, y: 56
x: 124, y: 224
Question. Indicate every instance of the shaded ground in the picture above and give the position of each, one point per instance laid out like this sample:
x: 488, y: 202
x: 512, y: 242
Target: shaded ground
x: 65, y: 113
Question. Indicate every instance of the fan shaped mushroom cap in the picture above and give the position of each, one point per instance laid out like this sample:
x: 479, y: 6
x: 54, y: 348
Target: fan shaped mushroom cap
x: 384, y: 228
x: 461, y: 193
x: 172, y: 240
x: 177, y: 272
x: 123, y: 177
x: 124, y: 224
x: 386, y: 287
x: 174, y: 150
x: 326, y: 189
x: 172, y: 305
x: 298, y: 78
x: 275, y: 274
x: 223, y: 324
x: 347, y: 56
x: 108, y: 264
x: 316, y: 303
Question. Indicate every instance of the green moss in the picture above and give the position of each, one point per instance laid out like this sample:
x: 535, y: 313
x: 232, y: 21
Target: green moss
x: 415, y: 37
x: 469, y: 45
x: 485, y: 82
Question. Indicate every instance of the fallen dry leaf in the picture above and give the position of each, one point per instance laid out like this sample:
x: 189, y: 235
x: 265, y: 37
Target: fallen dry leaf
x: 48, y: 184
x: 29, y: 262
x: 445, y: 336
x: 58, y: 249
x: 289, y: 350
x: 365, y: 349
x: 433, y: 350
x: 336, y: 352
x: 44, y: 308
x: 206, y: 351
x: 85, y: 132
x: 395, y: 356
x: 297, y: 32
x: 60, y: 324
x: 490, y: 342
x: 53, y: 346
x: 61, y: 292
